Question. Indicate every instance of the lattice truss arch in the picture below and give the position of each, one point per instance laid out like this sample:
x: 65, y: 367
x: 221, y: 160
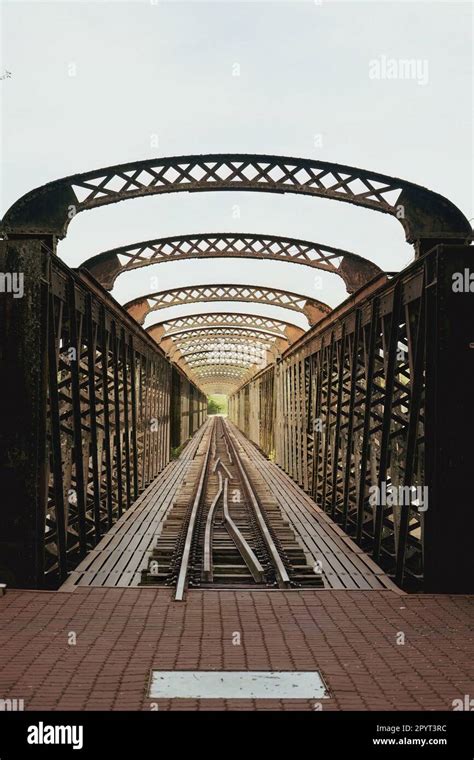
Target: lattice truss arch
x: 223, y: 370
x: 240, y: 358
x: 422, y: 213
x: 313, y: 309
x: 246, y: 348
x: 219, y: 337
x: 353, y: 269
x: 186, y: 334
x: 232, y: 376
x: 217, y: 320
x: 223, y: 381
x: 222, y: 341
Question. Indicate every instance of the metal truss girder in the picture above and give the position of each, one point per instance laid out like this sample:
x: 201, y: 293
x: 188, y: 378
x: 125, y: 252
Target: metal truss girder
x: 108, y: 265
x: 219, y: 335
x: 212, y: 320
x: 245, y: 349
x: 188, y: 334
x: 228, y: 358
x: 422, y: 213
x: 221, y: 370
x: 346, y: 413
x: 227, y: 383
x: 313, y: 309
x: 212, y: 347
x: 102, y: 388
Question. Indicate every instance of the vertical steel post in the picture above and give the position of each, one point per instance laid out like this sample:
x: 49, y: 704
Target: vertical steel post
x: 449, y: 415
x: 23, y: 406
x: 92, y: 383
x: 105, y: 393
x: 76, y: 344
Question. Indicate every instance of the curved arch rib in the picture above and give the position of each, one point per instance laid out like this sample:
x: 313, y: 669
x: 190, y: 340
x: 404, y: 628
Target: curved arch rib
x: 221, y: 341
x: 234, y: 379
x: 313, y: 309
x: 223, y: 387
x: 225, y: 357
x: 222, y: 383
x: 354, y: 270
x: 178, y: 345
x: 219, y: 347
x: 212, y: 320
x: 259, y: 352
x: 192, y: 333
x: 221, y: 334
x: 422, y: 213
x: 222, y: 370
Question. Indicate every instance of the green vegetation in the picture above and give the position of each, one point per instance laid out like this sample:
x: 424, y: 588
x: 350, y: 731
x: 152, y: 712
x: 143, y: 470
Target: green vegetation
x: 217, y: 404
x: 177, y: 451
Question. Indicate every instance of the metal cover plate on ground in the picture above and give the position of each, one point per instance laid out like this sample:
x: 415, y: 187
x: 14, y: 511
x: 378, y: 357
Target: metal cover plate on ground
x: 198, y: 684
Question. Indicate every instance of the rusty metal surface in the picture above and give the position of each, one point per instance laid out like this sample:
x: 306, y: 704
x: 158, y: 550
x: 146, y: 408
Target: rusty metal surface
x: 223, y: 372
x: 212, y: 320
x: 313, y: 309
x: 104, y: 422
x: 217, y: 347
x: 341, y: 407
x: 422, y: 213
x: 356, y: 405
x: 175, y: 335
x: 218, y: 336
x: 354, y: 270
x: 221, y: 345
x: 240, y: 358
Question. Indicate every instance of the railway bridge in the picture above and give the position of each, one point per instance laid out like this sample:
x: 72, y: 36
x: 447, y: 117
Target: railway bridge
x: 338, y: 487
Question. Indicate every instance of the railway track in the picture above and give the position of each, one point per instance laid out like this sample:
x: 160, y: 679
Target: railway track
x: 224, y: 529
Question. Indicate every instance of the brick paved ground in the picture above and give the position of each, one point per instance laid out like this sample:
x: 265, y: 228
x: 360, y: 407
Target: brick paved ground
x: 350, y: 636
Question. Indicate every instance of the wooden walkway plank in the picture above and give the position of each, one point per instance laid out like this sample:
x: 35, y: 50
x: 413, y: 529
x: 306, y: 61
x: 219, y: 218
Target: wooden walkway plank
x: 116, y: 559
x: 345, y: 565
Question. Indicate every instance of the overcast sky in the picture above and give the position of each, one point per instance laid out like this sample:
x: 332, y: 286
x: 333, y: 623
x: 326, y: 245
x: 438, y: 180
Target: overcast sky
x: 95, y: 84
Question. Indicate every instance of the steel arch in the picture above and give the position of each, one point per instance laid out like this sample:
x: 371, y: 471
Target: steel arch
x: 353, y: 269
x: 221, y: 387
x: 233, y: 358
x: 213, y: 332
x: 210, y: 320
x: 221, y: 370
x: 422, y: 213
x: 221, y: 334
x: 313, y: 309
x: 218, y: 347
x: 227, y: 357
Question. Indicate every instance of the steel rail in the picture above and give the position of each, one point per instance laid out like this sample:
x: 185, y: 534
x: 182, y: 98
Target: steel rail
x: 229, y: 453
x: 183, y: 570
x: 221, y: 464
x: 213, y: 441
x: 282, y: 575
x: 243, y: 546
x: 208, y: 569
